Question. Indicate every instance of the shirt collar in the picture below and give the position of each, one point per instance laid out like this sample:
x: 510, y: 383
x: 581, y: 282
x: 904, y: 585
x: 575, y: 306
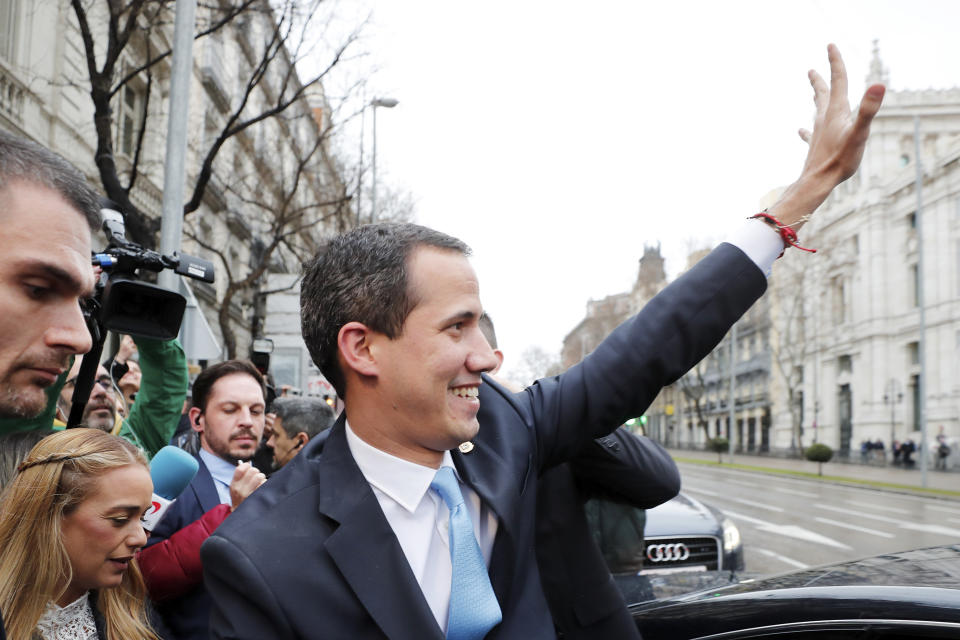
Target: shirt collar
x: 220, y: 469
x: 404, y: 481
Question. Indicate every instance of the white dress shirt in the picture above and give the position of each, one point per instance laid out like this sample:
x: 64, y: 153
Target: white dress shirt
x: 222, y: 472
x: 420, y: 518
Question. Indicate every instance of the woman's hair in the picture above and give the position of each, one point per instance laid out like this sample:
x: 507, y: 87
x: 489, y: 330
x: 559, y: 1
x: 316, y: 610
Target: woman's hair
x: 57, y: 475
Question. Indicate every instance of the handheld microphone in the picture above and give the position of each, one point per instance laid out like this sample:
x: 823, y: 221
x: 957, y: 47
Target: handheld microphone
x: 171, y: 470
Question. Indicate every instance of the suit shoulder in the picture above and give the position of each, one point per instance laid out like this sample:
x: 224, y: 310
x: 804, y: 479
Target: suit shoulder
x: 280, y: 506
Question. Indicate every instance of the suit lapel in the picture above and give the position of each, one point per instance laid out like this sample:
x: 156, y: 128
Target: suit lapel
x: 366, y: 550
x: 489, y: 475
x: 204, y: 488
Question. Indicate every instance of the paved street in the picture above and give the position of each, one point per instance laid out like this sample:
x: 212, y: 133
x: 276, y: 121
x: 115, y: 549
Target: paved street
x: 790, y: 523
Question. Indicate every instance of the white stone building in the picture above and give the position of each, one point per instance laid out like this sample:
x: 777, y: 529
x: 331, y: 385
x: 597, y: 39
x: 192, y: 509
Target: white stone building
x: 256, y: 177
x: 861, y: 319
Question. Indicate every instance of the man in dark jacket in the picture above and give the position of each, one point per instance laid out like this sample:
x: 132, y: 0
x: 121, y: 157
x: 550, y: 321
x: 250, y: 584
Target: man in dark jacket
x: 228, y: 413
x: 632, y: 472
x: 411, y: 521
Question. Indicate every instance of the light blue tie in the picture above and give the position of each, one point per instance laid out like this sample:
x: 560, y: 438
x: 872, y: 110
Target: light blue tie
x: 474, y: 609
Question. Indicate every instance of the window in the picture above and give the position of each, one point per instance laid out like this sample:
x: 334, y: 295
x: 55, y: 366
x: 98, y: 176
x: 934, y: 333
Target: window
x: 839, y: 299
x: 129, y: 110
x: 9, y: 21
x: 845, y: 364
x: 913, y: 353
x: 912, y: 220
x: 855, y: 244
x: 913, y: 283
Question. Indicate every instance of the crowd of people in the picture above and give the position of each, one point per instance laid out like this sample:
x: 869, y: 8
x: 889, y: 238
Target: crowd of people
x: 439, y: 503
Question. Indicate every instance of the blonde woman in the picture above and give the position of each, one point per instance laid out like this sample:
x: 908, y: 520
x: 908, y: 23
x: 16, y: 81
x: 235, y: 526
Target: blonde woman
x: 69, y: 530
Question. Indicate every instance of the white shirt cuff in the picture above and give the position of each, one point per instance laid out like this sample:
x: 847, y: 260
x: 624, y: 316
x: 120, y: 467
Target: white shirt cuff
x: 759, y: 241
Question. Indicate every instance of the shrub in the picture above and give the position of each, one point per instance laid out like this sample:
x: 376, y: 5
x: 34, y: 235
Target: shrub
x: 720, y: 445
x: 818, y: 453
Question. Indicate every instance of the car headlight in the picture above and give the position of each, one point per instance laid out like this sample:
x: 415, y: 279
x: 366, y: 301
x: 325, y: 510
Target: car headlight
x: 731, y: 535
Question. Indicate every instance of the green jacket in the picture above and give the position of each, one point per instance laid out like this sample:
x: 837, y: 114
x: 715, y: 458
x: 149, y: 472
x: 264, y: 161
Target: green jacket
x: 156, y: 412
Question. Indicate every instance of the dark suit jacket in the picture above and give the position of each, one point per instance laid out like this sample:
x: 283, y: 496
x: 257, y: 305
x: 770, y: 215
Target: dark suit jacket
x: 310, y: 553
x: 583, y: 598
x: 188, y: 616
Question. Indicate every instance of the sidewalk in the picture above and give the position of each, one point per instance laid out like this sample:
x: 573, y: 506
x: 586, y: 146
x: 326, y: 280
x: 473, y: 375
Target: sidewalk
x: 940, y: 484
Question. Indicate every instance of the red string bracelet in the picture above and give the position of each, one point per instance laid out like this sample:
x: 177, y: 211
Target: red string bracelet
x: 788, y: 235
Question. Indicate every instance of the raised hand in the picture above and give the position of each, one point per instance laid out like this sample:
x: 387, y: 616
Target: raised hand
x: 836, y: 142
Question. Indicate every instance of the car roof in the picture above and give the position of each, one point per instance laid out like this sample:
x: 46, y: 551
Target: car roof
x: 920, y: 584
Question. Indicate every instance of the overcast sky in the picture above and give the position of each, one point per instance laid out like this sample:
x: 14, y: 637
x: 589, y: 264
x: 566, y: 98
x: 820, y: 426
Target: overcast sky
x: 558, y: 138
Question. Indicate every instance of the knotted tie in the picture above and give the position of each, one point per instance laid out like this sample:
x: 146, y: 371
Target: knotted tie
x: 474, y: 609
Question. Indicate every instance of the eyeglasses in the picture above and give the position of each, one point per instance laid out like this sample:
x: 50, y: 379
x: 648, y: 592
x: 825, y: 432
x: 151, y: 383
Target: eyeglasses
x: 104, y: 381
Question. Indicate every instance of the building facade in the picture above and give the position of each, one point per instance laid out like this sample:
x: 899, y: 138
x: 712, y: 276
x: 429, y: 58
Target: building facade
x: 833, y: 352
x: 273, y: 189
x: 881, y: 301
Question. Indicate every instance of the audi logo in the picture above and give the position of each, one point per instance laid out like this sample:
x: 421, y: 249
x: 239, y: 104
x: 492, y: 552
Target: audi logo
x: 677, y: 552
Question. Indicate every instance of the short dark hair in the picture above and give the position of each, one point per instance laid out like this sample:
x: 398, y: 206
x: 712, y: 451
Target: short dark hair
x: 361, y: 276
x: 209, y: 376
x: 22, y: 159
x: 486, y: 328
x: 310, y: 415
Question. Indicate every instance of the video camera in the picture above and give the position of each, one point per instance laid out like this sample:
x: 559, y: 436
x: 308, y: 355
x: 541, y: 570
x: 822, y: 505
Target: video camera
x: 124, y: 304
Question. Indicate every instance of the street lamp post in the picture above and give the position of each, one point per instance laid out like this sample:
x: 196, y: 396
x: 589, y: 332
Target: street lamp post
x: 386, y: 103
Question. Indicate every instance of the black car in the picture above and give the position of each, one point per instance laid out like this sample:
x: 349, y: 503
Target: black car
x: 686, y: 534
x: 911, y: 594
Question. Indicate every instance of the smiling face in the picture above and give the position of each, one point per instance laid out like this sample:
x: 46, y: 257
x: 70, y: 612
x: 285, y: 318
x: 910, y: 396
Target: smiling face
x: 428, y: 377
x: 232, y: 423
x: 44, y: 270
x: 102, y: 534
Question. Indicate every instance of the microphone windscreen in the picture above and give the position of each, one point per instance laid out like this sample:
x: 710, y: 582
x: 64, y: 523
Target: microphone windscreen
x: 171, y: 470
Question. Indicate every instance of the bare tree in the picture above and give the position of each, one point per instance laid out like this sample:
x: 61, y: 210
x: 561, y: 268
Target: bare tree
x: 289, y: 194
x: 790, y: 343
x: 535, y: 363
x: 694, y: 388
x: 120, y: 42
x: 283, y: 216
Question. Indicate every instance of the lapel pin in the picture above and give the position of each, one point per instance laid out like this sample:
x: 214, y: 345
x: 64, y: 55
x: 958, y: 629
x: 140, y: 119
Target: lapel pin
x: 466, y: 447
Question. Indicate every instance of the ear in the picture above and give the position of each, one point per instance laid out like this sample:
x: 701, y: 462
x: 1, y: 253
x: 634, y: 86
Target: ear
x: 195, y: 419
x: 302, y: 439
x: 354, y: 342
x: 499, y: 356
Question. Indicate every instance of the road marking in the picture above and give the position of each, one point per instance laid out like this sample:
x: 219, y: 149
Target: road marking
x: 781, y: 558
x: 794, y: 492
x: 743, y: 483
x: 861, y: 514
x: 910, y: 526
x: 699, y: 490
x: 943, y: 509
x: 758, y: 505
x: 789, y: 530
x: 879, y: 507
x: 854, y: 527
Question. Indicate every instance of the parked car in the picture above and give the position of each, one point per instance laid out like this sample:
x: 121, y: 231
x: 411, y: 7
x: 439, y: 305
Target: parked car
x: 686, y: 534
x: 912, y: 594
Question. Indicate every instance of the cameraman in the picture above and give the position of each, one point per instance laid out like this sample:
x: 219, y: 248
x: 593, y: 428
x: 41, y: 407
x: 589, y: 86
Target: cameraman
x: 154, y: 417
x: 47, y: 211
